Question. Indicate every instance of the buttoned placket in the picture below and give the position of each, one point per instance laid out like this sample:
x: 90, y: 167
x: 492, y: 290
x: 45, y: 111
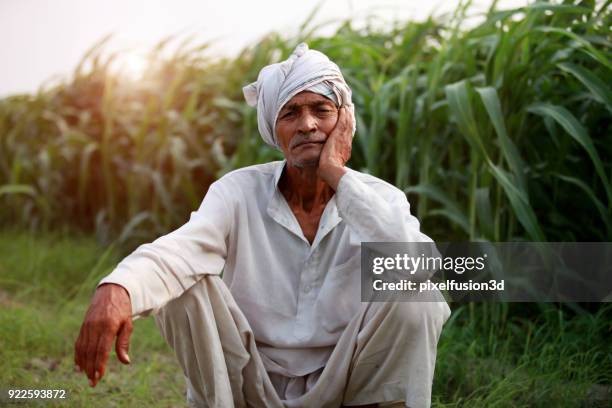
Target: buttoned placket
x: 280, y: 212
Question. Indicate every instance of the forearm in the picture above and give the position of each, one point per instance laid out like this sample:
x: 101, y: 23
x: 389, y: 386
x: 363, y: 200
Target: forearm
x: 332, y: 175
x: 158, y: 272
x: 373, y: 217
x: 161, y: 271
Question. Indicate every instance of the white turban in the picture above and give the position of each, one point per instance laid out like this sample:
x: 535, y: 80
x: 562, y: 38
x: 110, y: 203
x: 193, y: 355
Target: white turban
x: 304, y: 70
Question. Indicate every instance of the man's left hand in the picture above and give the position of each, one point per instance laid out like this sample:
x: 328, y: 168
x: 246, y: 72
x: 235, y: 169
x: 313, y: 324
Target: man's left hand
x: 337, y: 149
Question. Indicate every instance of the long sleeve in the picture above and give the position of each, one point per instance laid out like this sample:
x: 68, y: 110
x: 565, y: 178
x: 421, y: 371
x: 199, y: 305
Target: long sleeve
x: 374, y: 217
x: 158, y: 272
x: 377, y: 216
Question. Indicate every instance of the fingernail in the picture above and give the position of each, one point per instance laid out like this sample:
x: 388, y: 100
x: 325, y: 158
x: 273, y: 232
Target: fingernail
x: 97, y: 375
x: 127, y: 358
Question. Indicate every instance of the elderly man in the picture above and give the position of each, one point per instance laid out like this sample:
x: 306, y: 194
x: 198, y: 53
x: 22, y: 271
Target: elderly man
x: 286, y: 325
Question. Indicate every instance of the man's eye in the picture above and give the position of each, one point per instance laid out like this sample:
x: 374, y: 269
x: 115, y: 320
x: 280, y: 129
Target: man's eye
x: 287, y: 114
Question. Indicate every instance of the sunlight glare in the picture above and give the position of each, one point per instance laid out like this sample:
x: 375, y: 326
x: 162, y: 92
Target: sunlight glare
x: 133, y: 65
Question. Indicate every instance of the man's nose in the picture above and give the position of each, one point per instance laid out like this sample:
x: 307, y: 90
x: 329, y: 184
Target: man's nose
x: 307, y: 123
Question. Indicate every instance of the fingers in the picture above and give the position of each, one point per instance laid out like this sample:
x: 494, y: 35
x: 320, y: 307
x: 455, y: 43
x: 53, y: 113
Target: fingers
x: 109, y: 314
x: 342, y: 114
x: 123, y: 342
x: 348, y: 117
x: 345, y: 120
x: 92, y: 348
x: 83, y: 350
x: 78, y: 351
x: 101, y: 358
x: 90, y: 358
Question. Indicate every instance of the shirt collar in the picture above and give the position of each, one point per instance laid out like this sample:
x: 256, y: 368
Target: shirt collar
x: 279, y: 211
x: 278, y: 172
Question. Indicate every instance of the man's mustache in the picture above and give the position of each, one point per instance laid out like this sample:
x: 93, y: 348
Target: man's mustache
x: 313, y: 137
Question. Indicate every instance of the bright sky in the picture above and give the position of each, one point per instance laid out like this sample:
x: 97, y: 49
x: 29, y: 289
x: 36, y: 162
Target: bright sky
x: 43, y: 39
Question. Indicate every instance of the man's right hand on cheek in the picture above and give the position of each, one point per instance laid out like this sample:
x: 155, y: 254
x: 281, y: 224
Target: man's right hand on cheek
x: 108, y: 316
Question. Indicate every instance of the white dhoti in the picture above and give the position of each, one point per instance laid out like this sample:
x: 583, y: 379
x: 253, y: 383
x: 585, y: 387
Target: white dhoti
x: 386, y: 353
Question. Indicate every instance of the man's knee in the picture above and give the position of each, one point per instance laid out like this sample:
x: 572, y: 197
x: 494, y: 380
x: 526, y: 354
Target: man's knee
x: 415, y: 316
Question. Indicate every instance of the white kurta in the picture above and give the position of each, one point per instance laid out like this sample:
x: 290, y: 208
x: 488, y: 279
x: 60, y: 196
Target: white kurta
x: 298, y: 298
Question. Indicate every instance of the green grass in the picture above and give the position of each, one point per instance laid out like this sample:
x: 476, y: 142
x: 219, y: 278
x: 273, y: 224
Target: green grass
x: 551, y: 359
x: 489, y: 355
x: 45, y: 286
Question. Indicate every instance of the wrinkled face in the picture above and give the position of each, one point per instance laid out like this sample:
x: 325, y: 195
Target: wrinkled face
x: 302, y: 127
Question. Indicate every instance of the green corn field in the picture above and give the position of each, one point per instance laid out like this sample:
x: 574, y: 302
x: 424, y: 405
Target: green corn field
x: 500, y: 131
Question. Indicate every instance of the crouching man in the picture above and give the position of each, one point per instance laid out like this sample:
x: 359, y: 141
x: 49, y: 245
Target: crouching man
x: 285, y: 326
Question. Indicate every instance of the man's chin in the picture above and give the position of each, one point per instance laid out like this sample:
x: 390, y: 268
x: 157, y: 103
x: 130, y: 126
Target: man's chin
x: 305, y: 162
